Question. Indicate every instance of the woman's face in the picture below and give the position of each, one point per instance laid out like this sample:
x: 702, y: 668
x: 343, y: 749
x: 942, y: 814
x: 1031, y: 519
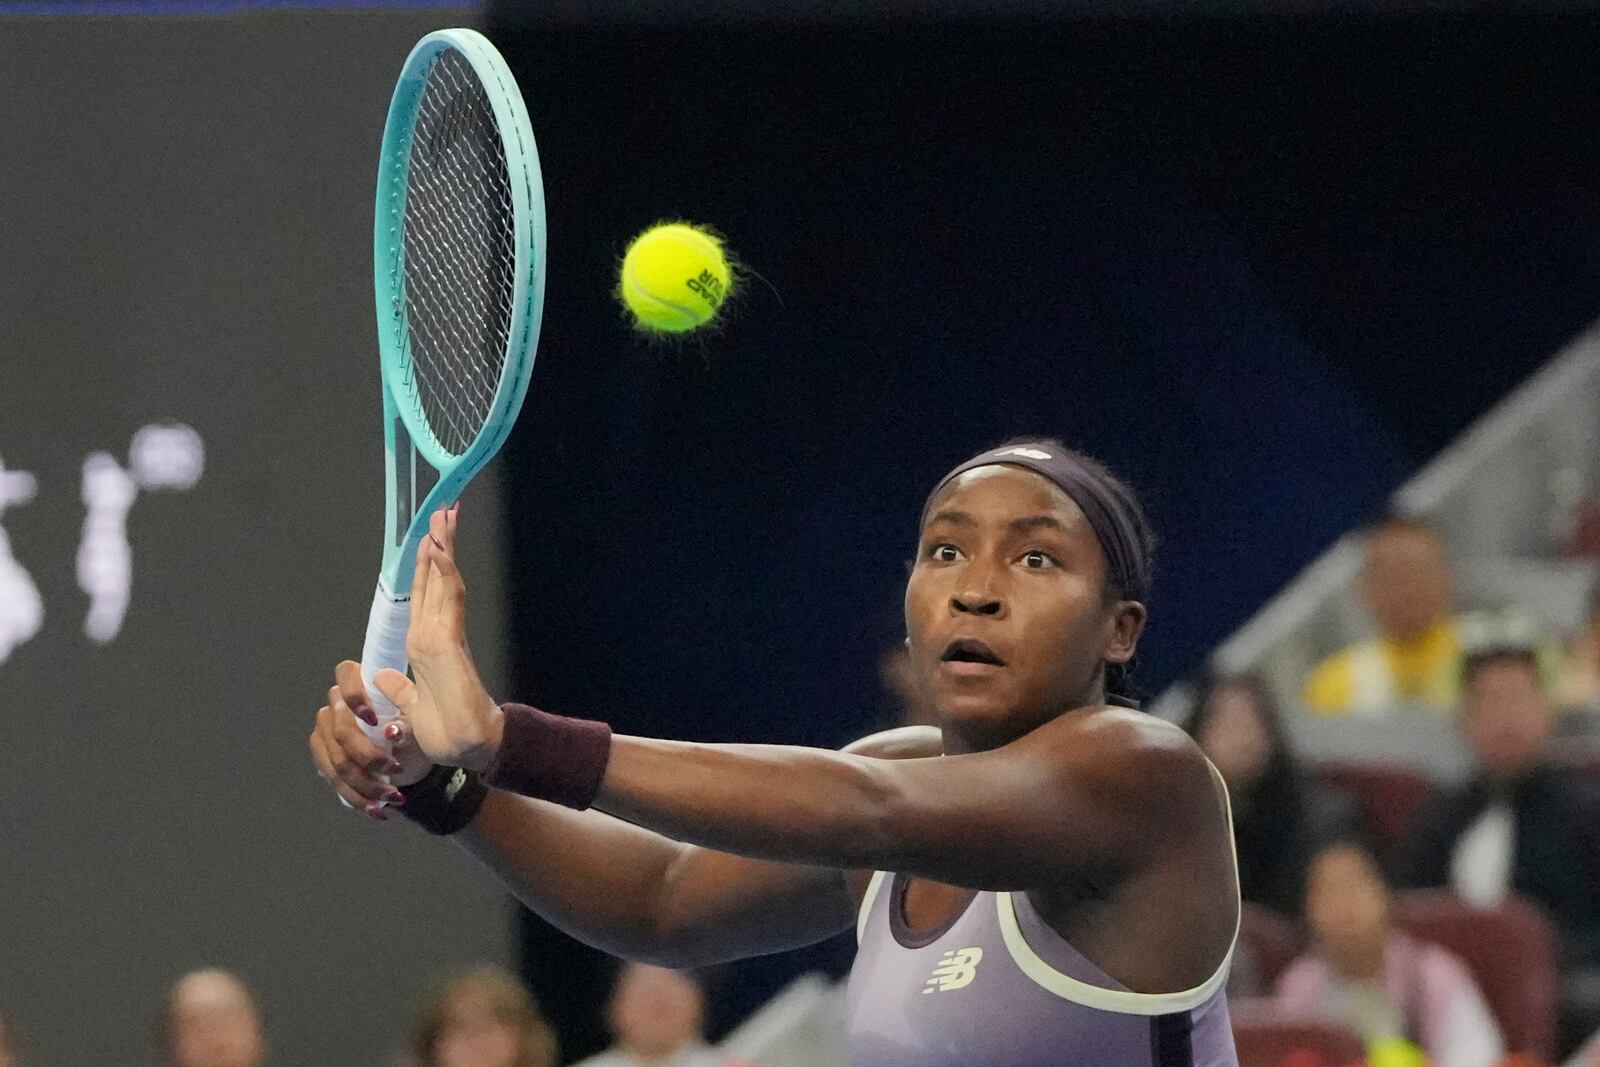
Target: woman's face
x: 1347, y: 906
x: 1234, y: 735
x: 474, y: 1034
x: 1005, y: 609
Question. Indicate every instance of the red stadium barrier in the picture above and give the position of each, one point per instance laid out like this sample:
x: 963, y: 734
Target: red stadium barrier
x: 1266, y: 1037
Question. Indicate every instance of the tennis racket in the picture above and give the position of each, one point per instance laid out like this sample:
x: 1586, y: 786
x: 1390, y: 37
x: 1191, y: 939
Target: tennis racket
x: 458, y: 260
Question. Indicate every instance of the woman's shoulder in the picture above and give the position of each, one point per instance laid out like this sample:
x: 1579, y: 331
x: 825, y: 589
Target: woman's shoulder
x: 1155, y: 771
x: 1147, y: 745
x: 1128, y: 729
x: 1441, y: 970
x: 902, y: 742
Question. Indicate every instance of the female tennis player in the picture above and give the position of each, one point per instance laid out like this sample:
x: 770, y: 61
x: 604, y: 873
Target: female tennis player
x: 1048, y: 878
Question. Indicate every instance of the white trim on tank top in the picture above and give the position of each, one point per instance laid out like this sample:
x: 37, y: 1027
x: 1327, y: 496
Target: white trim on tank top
x: 1118, y: 1000
x: 866, y: 904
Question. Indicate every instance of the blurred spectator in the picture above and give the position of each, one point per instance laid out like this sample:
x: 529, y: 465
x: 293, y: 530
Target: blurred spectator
x: 483, y: 1018
x: 210, y: 1020
x: 1520, y: 825
x: 1276, y: 811
x: 1416, y: 658
x: 1382, y: 984
x: 1580, y: 682
x: 655, y: 1016
x: 10, y: 1044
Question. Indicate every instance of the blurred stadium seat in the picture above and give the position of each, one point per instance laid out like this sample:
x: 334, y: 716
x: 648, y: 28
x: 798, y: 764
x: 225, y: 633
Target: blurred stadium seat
x: 1389, y: 798
x: 1511, y: 952
x: 1265, y: 1037
x: 1268, y: 942
x: 1587, y: 765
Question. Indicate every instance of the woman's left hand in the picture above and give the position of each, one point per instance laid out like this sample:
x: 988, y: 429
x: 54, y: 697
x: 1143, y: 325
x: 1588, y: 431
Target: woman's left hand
x: 446, y: 711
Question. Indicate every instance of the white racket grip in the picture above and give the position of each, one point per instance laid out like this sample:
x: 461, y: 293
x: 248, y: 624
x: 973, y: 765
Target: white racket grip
x: 385, y: 647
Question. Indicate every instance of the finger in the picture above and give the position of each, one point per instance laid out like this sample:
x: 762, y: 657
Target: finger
x: 419, y: 581
x: 443, y: 528
x: 353, y: 782
x: 353, y: 793
x: 403, y: 748
x: 361, y: 749
x: 440, y: 539
x: 447, y: 595
x: 439, y: 529
x: 402, y: 691
x: 353, y: 692
x: 337, y: 702
x: 353, y: 760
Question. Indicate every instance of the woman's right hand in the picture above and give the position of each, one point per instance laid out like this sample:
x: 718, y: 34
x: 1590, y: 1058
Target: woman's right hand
x: 361, y: 773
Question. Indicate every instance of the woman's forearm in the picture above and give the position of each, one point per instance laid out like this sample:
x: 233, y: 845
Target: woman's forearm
x: 775, y: 802
x: 639, y: 895
x: 596, y: 877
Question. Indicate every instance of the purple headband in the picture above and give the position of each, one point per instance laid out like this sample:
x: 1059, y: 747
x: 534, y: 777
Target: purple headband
x: 1110, y: 514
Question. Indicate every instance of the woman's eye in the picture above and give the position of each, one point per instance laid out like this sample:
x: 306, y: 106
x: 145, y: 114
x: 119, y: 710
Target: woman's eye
x: 945, y: 553
x: 1037, y: 559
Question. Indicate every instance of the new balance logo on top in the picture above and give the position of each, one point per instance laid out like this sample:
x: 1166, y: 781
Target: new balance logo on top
x: 955, y: 971
x: 1029, y: 453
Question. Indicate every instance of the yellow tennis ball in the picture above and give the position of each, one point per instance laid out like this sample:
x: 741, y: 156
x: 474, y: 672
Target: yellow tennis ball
x: 1395, y: 1052
x: 674, y: 278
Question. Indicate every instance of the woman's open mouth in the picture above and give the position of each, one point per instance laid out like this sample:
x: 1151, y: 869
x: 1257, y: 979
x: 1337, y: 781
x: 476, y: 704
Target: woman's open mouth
x: 967, y: 657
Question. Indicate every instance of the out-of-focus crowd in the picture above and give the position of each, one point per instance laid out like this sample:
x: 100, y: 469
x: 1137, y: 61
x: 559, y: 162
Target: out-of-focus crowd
x: 1393, y: 918
x: 483, y: 1017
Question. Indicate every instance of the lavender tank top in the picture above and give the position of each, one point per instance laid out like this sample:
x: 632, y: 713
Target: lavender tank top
x: 997, y: 987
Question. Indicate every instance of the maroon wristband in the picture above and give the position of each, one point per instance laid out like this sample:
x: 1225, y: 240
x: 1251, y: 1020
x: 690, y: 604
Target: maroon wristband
x: 445, y: 801
x: 549, y: 757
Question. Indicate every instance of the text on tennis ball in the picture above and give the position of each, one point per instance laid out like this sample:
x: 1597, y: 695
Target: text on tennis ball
x: 709, y: 286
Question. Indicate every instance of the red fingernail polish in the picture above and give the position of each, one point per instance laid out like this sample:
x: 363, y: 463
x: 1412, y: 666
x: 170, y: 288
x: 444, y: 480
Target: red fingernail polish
x: 436, y: 542
x: 393, y: 732
x: 395, y: 797
x: 395, y: 768
x: 367, y: 715
x: 376, y: 811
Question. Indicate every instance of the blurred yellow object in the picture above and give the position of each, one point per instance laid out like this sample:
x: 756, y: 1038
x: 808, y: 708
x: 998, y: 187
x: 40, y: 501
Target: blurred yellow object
x: 1395, y: 1052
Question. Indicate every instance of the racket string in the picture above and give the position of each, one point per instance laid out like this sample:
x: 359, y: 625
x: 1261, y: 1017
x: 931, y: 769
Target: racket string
x: 458, y: 253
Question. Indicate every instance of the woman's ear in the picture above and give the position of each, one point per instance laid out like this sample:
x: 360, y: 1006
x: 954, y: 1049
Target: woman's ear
x: 1127, y: 623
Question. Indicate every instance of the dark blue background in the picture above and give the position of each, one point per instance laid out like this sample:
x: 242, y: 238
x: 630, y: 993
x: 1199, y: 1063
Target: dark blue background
x: 1264, y: 269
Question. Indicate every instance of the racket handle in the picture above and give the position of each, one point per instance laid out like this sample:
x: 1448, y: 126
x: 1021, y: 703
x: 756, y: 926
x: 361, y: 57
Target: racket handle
x: 385, y: 646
